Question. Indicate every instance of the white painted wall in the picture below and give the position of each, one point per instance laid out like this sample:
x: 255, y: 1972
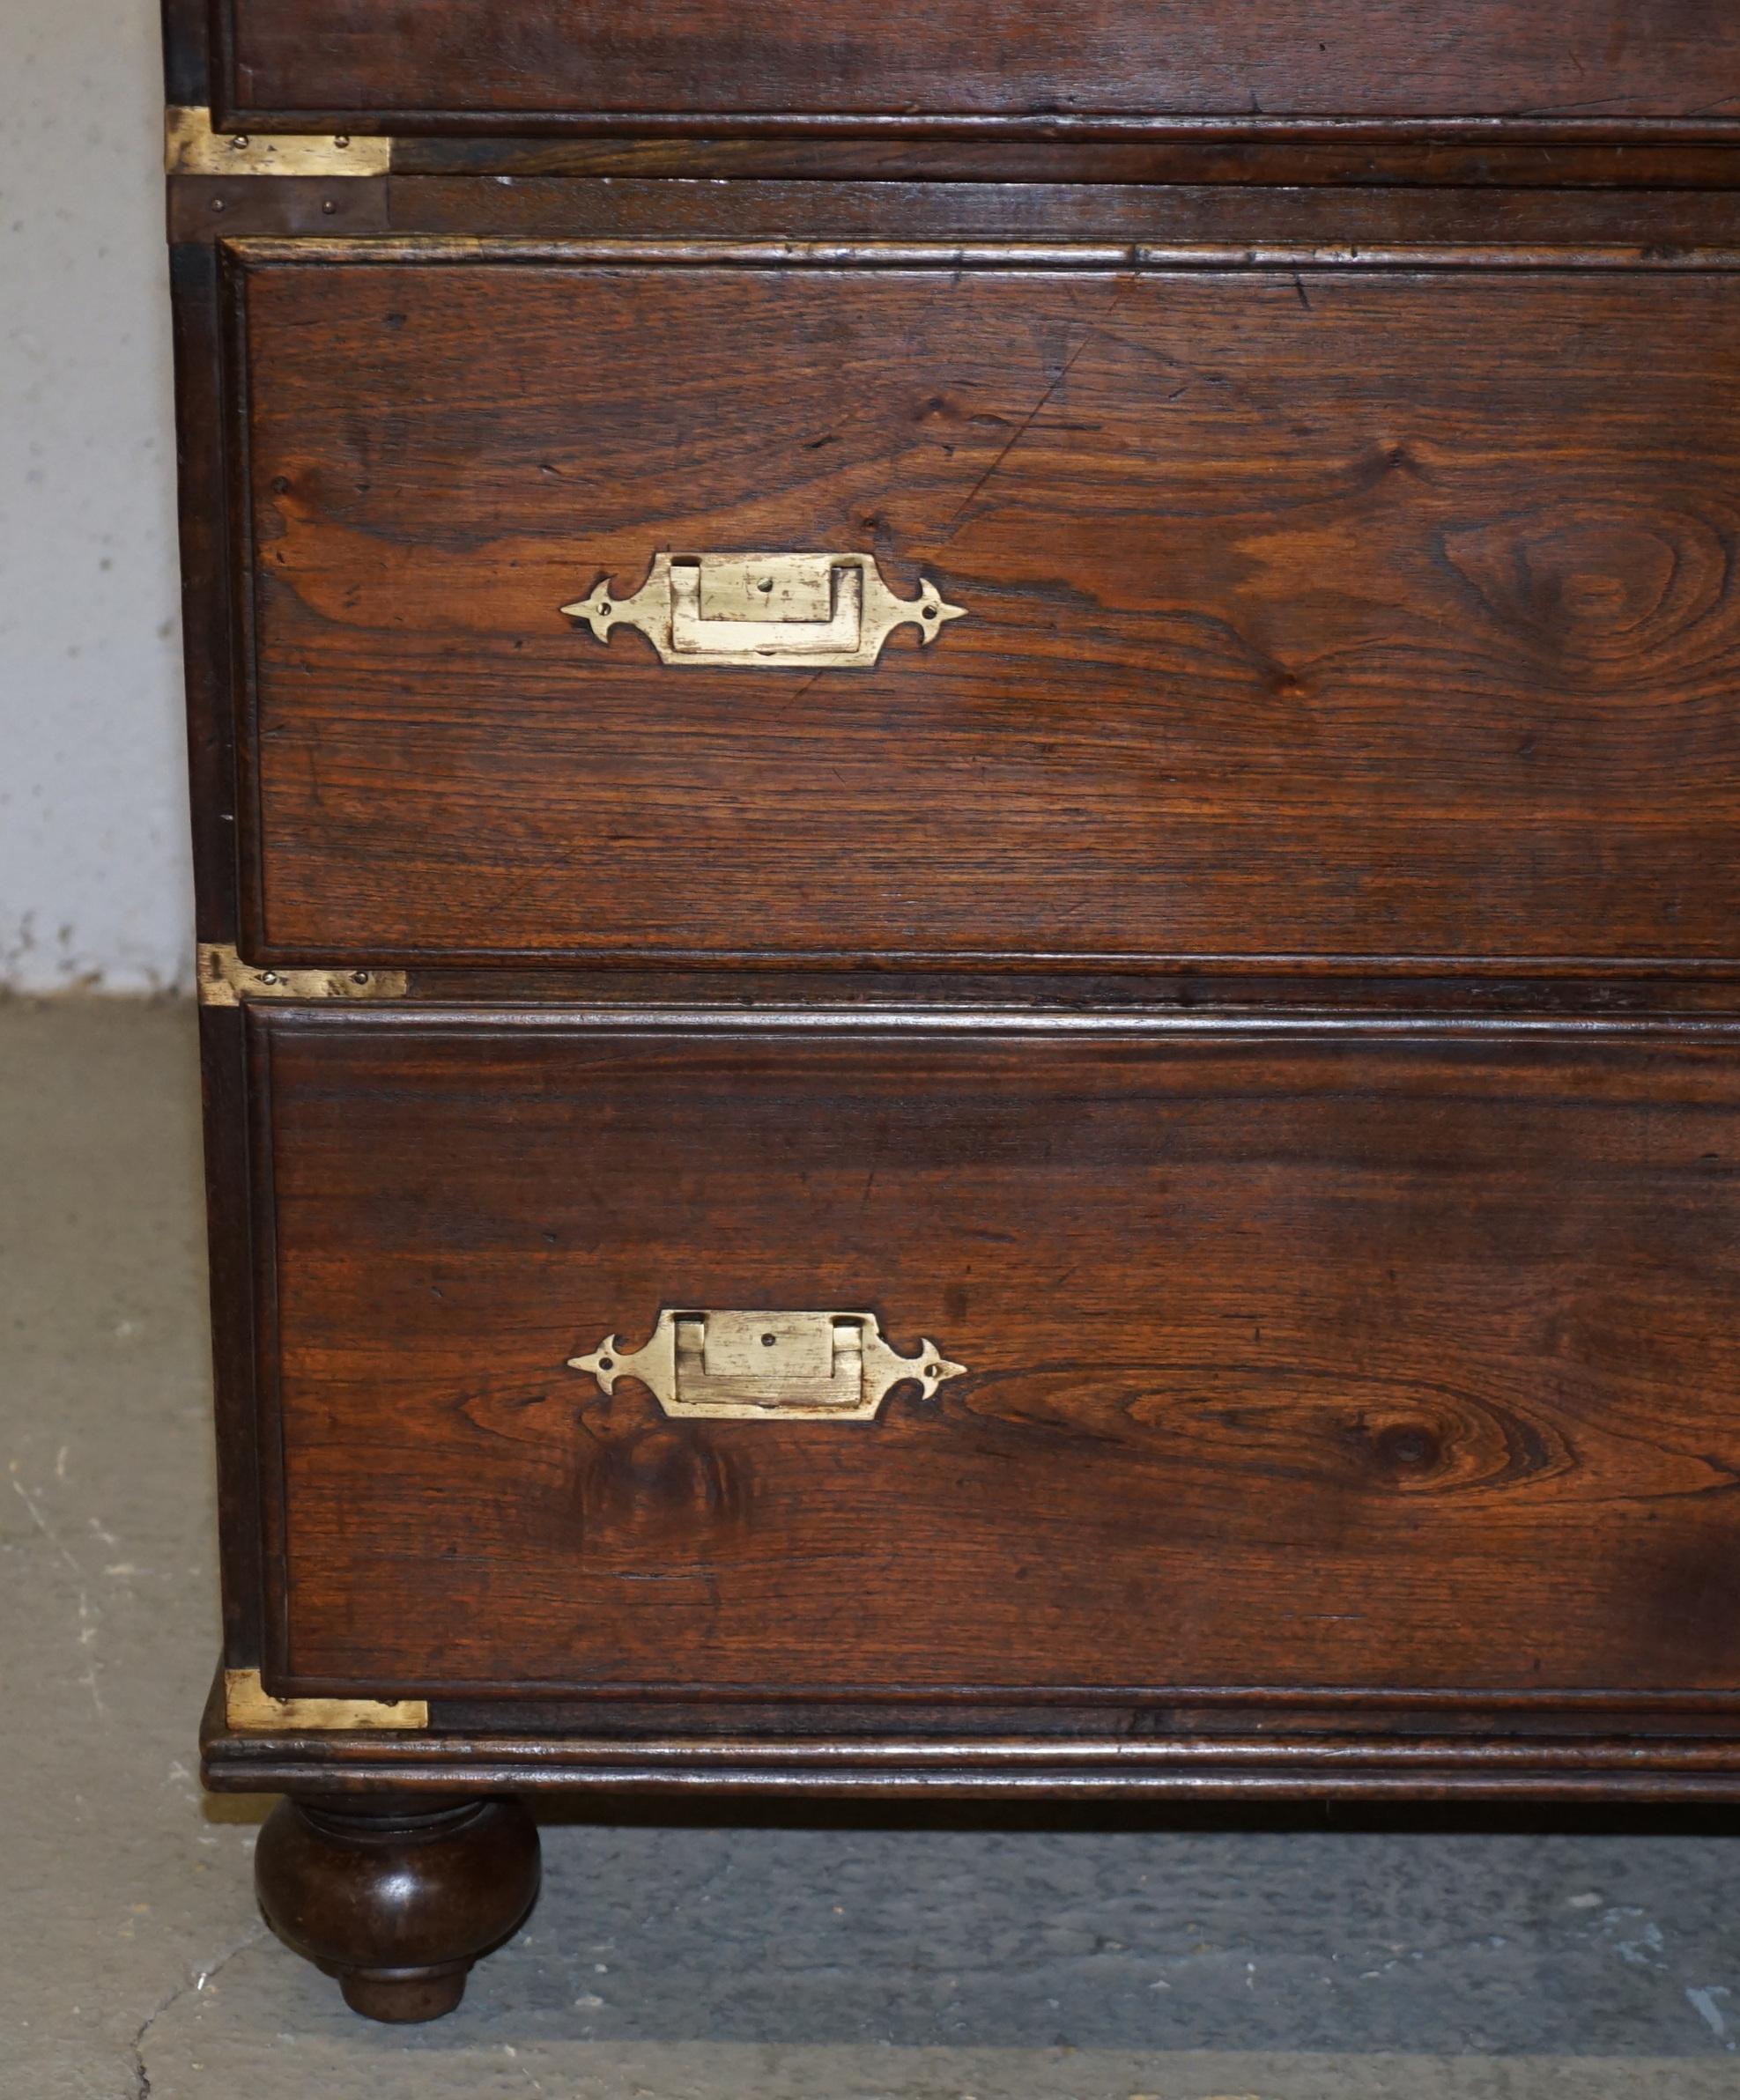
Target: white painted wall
x: 94, y: 887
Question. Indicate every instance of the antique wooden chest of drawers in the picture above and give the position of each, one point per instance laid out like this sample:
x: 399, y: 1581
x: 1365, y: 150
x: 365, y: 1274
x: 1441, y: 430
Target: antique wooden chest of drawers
x: 965, y: 783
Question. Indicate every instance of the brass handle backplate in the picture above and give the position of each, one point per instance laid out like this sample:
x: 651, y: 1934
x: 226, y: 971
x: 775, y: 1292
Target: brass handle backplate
x: 809, y: 611
x: 754, y: 1366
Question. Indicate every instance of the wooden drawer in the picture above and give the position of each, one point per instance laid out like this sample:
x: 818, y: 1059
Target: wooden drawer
x: 1019, y: 67
x: 1340, y: 1358
x: 1372, y: 611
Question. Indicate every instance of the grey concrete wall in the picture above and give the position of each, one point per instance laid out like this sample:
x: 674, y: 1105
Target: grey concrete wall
x: 93, y: 874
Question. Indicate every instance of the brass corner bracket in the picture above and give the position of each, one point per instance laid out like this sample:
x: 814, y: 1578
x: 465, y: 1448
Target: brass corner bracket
x: 225, y: 980
x: 248, y: 1705
x: 191, y: 147
x: 768, y: 1366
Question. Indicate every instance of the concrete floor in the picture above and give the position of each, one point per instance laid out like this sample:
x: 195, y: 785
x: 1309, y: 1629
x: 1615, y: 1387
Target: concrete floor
x: 686, y: 1965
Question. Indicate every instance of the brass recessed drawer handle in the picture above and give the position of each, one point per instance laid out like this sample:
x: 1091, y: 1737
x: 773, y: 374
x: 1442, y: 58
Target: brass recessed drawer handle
x: 811, y: 611
x: 754, y: 1366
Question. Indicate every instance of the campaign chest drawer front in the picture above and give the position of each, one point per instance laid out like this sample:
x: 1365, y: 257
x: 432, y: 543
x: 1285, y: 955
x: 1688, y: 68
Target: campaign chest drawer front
x: 774, y: 65
x: 1288, y: 1357
x: 1339, y: 613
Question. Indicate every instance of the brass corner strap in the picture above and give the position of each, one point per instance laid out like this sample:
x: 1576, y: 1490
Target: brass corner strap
x: 248, y: 1705
x: 191, y: 147
x: 225, y: 980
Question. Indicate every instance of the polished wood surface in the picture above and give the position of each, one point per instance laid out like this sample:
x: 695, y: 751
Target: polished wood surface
x: 1196, y: 1767
x: 1485, y: 161
x: 1261, y: 991
x: 399, y: 1898
x: 1325, y: 609
x: 1653, y: 212
x: 770, y: 64
x: 1330, y: 1356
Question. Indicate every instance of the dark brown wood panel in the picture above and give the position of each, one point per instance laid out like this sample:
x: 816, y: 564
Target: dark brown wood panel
x: 1219, y: 213
x: 1017, y: 62
x: 1480, y: 162
x: 208, y: 565
x: 1384, y: 1359
x: 1669, y: 214
x: 1315, y: 610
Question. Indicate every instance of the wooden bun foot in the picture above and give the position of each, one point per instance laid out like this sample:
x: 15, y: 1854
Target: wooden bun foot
x: 396, y: 1897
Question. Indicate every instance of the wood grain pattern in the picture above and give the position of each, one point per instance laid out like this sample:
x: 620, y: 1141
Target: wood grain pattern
x: 396, y: 1899
x: 1056, y: 210
x: 1162, y: 158
x: 1664, y: 212
x: 1224, y: 993
x: 1315, y: 1357
x: 1371, y: 611
x: 769, y: 65
x: 209, y: 584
